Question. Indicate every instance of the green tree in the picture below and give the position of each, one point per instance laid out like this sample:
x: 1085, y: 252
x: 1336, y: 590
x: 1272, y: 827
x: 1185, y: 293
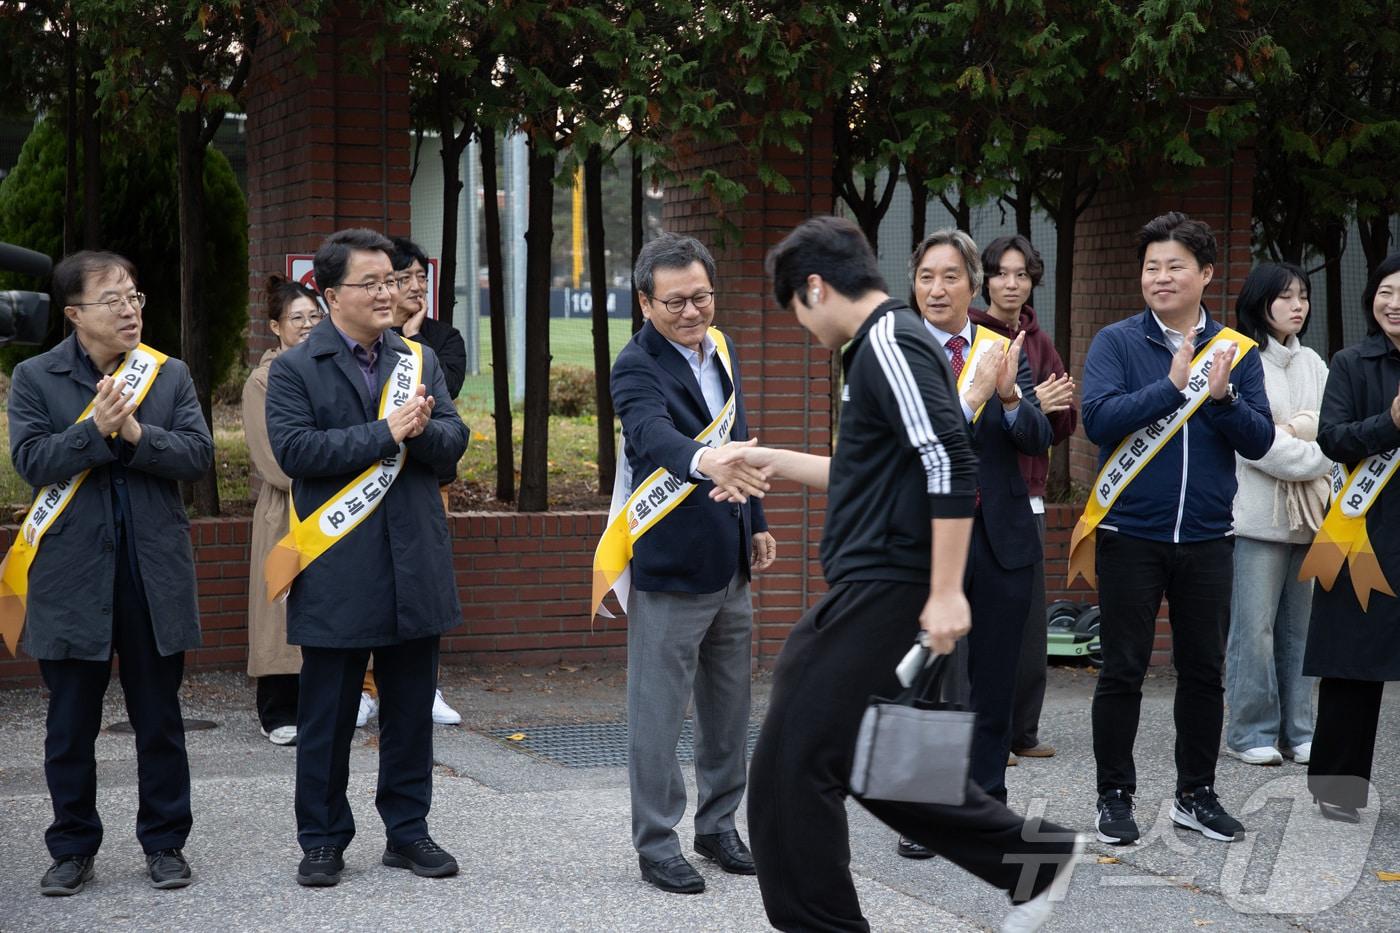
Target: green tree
x: 138, y: 207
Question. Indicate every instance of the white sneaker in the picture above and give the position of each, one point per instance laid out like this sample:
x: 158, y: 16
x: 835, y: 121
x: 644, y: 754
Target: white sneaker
x: 443, y: 714
x: 368, y: 707
x: 1302, y: 754
x: 1024, y: 918
x: 282, y: 735
x: 1263, y: 755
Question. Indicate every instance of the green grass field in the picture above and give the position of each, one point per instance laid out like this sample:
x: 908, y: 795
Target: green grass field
x: 570, y: 343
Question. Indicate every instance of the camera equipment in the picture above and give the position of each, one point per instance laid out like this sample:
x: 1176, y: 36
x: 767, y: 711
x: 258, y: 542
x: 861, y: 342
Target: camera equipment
x: 24, y: 316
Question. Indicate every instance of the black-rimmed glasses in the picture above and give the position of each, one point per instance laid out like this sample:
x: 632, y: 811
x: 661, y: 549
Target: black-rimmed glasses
x: 701, y: 301
x: 136, y: 299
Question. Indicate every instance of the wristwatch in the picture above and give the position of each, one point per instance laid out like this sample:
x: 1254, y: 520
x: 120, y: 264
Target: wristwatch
x: 1228, y: 398
x: 1013, y: 398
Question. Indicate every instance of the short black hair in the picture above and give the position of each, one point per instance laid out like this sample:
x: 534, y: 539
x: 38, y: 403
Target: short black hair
x: 405, y: 251
x: 334, y: 255
x: 1195, y: 235
x: 70, y: 276
x: 832, y: 247
x: 281, y: 291
x: 669, y: 251
x: 1388, y: 267
x: 1266, y: 282
x: 991, y: 260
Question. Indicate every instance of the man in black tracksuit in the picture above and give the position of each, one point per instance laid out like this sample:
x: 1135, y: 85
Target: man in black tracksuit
x: 901, y: 490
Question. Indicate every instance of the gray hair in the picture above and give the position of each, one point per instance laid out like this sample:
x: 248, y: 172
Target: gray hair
x: 964, y: 244
x: 669, y: 251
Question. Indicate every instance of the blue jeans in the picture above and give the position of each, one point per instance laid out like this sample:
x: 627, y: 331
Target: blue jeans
x: 1269, y: 698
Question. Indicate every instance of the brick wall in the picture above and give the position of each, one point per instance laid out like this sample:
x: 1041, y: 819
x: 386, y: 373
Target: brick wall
x: 325, y: 151
x: 524, y: 583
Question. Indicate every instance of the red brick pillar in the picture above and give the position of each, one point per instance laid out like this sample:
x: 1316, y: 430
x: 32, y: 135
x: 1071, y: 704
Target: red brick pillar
x: 787, y: 376
x: 1107, y: 289
x: 324, y: 152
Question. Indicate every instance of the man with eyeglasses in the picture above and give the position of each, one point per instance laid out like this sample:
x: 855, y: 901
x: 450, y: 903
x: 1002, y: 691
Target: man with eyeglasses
x: 105, y: 428
x: 676, y: 388
x: 362, y: 422
x: 412, y: 322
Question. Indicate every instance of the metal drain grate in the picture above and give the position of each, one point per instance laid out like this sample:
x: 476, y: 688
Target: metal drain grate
x: 593, y: 744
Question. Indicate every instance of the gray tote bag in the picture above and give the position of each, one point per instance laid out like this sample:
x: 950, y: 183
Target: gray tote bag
x: 912, y: 748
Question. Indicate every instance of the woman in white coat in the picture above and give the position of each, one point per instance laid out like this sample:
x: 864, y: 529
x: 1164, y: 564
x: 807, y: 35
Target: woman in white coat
x: 1280, y: 503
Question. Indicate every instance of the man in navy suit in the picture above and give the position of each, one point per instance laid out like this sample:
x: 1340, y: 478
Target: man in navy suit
x: 998, y: 401
x: 690, y: 617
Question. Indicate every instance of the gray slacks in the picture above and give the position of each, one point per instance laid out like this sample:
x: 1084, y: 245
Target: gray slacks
x: 679, y: 644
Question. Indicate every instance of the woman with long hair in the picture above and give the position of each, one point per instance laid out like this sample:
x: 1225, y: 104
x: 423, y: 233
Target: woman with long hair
x: 1354, y: 641
x: 292, y: 310
x: 1279, y: 506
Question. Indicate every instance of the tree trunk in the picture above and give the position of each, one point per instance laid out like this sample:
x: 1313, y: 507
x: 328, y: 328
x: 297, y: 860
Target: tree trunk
x: 598, y: 281
x: 539, y: 238
x: 918, y: 207
x: 70, y: 143
x: 92, y: 161
x: 453, y: 144
x: 638, y: 203
x: 1375, y: 240
x: 496, y: 297
x: 194, y: 347
x: 1057, y: 482
x: 961, y: 211
x: 1022, y: 205
x: 1332, y: 271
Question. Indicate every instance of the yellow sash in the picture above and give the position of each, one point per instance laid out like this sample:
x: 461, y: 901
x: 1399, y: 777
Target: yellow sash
x: 138, y: 371
x: 344, y: 511
x: 632, y: 516
x: 1138, y: 448
x: 984, y: 341
x: 1343, y: 536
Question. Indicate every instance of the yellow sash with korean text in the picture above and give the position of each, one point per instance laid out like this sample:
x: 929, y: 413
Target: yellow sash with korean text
x: 138, y: 370
x: 1343, y: 536
x: 343, y: 512
x: 632, y: 516
x: 1137, y: 449
x: 984, y: 341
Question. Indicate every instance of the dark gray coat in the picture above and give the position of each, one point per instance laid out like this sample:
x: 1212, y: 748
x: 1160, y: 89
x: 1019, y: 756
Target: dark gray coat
x: 391, y: 578
x: 1344, y: 641
x: 70, y: 583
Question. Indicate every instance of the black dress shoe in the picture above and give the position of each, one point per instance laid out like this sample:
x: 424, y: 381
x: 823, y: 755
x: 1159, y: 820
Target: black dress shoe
x: 728, y: 850
x: 66, y: 876
x: 320, y: 867
x: 911, y: 849
x: 674, y: 875
x: 426, y: 858
x: 168, y: 869
x: 1337, y: 812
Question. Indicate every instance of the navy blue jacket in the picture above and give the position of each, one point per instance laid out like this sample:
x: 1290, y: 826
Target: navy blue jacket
x: 1186, y: 493
x: 391, y: 579
x: 699, y: 545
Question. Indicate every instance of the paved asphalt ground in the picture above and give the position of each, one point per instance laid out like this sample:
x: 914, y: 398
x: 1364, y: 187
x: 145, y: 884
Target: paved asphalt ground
x: 543, y: 847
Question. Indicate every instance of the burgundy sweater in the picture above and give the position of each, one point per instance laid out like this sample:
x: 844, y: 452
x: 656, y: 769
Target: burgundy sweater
x: 1044, y: 362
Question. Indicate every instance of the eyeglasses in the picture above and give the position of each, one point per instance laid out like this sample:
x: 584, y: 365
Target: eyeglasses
x: 296, y: 320
x: 136, y: 299
x: 701, y: 301
x: 371, y: 289
x: 404, y: 281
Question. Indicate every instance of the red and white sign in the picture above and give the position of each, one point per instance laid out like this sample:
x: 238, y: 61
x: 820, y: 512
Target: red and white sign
x: 299, y: 269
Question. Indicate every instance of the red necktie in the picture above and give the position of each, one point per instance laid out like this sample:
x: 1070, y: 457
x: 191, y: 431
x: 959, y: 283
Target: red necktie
x: 955, y: 347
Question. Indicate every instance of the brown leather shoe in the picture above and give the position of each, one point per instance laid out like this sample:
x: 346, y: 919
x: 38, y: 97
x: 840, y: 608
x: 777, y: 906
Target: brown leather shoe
x: 1041, y: 750
x: 1012, y: 761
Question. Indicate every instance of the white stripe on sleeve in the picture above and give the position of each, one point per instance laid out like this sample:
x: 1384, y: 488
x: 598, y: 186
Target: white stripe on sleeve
x: 912, y: 411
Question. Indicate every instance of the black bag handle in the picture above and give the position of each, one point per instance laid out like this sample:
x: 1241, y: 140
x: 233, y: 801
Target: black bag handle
x: 927, y: 682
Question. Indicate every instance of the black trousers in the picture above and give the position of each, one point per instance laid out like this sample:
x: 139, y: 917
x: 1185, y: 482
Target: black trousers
x: 1196, y: 579
x: 1030, y: 670
x: 331, y: 679
x: 151, y: 684
x: 277, y: 700
x: 842, y: 651
x: 1344, y: 740
x: 999, y: 604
